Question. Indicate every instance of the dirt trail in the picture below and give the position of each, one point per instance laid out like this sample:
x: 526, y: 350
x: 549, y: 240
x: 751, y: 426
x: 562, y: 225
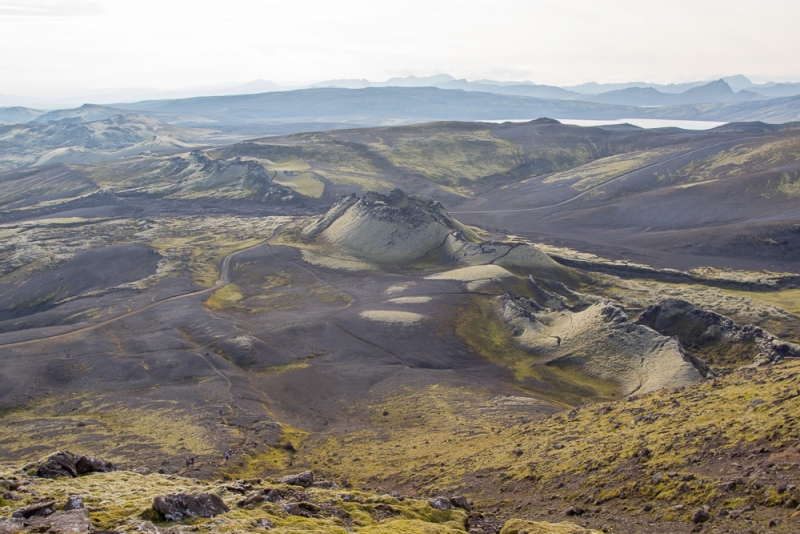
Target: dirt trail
x: 224, y: 278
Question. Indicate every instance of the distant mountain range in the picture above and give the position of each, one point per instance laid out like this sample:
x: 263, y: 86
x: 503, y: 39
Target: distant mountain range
x: 594, y: 92
x: 283, y: 112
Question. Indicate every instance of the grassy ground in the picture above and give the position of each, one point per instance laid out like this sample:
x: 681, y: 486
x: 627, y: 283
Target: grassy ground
x: 450, y: 438
x: 84, y: 421
x: 123, y: 500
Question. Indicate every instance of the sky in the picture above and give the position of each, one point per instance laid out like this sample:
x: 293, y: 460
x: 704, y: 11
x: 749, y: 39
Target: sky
x: 63, y: 46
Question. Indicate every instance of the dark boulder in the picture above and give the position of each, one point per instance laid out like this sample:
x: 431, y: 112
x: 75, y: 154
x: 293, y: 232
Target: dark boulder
x: 304, y: 479
x: 459, y: 501
x: 302, y: 509
x: 91, y: 464
x: 177, y: 506
x: 43, y: 508
x: 700, y: 516
x: 58, y: 464
x: 12, y: 485
x: 440, y: 503
x: 66, y: 464
x: 265, y: 495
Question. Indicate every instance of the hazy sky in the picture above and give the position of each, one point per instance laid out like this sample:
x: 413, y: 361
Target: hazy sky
x: 50, y: 45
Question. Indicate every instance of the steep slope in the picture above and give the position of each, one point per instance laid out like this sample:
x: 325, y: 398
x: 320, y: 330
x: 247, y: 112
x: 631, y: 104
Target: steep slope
x: 390, y: 228
x: 399, y: 230
x: 602, y: 342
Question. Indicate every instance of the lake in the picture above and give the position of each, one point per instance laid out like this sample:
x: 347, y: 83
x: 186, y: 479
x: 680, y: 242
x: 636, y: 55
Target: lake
x: 641, y: 123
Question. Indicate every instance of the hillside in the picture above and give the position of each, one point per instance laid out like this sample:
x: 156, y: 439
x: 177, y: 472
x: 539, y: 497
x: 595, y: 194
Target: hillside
x: 775, y: 111
x: 88, y: 141
x: 17, y: 115
x: 367, y: 304
x: 666, y: 197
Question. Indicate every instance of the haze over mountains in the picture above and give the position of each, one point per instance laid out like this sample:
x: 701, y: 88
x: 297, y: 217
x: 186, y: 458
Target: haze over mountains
x: 267, y: 109
x: 443, y: 81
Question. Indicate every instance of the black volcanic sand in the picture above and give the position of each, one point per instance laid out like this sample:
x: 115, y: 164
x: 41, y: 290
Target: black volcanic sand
x: 727, y: 223
x: 304, y: 355
x: 86, y: 271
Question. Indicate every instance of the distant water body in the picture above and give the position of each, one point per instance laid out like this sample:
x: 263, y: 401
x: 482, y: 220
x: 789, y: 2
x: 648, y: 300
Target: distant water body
x: 641, y: 123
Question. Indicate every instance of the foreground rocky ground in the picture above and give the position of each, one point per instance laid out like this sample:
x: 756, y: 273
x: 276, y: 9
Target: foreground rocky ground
x: 125, y: 501
x: 721, y: 456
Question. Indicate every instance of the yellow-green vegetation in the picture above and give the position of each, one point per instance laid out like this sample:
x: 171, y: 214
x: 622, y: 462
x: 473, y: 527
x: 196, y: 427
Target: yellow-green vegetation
x: 787, y: 299
x: 600, y: 171
x: 790, y: 184
x: 452, y: 157
x: 455, y: 156
x: 225, y: 297
x: 272, y: 460
x: 304, y: 183
x: 750, y: 157
x: 444, y: 437
x: 518, y: 526
x: 480, y: 325
x: 129, y: 434
x: 351, y: 179
x: 124, y: 500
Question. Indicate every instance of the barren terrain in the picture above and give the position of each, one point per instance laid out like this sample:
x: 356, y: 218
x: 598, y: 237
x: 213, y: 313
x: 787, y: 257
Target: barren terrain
x: 518, y: 324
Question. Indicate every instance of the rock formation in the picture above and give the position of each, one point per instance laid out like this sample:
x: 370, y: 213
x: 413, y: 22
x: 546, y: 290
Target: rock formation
x: 601, y: 341
x: 400, y: 229
x: 177, y: 506
x: 66, y: 464
x: 708, y: 331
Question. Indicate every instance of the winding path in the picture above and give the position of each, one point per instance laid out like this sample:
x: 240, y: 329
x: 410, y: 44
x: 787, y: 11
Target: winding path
x: 224, y: 278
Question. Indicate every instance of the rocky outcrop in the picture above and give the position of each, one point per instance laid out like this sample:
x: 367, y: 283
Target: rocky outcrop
x: 263, y: 495
x: 518, y: 526
x: 601, y: 341
x: 700, y: 328
x: 304, y: 479
x: 513, y: 254
x: 177, y: 506
x: 66, y: 464
x: 43, y: 508
x: 11, y: 525
x: 395, y: 227
x: 91, y: 464
x: 66, y: 522
x: 44, y: 517
x: 399, y: 229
